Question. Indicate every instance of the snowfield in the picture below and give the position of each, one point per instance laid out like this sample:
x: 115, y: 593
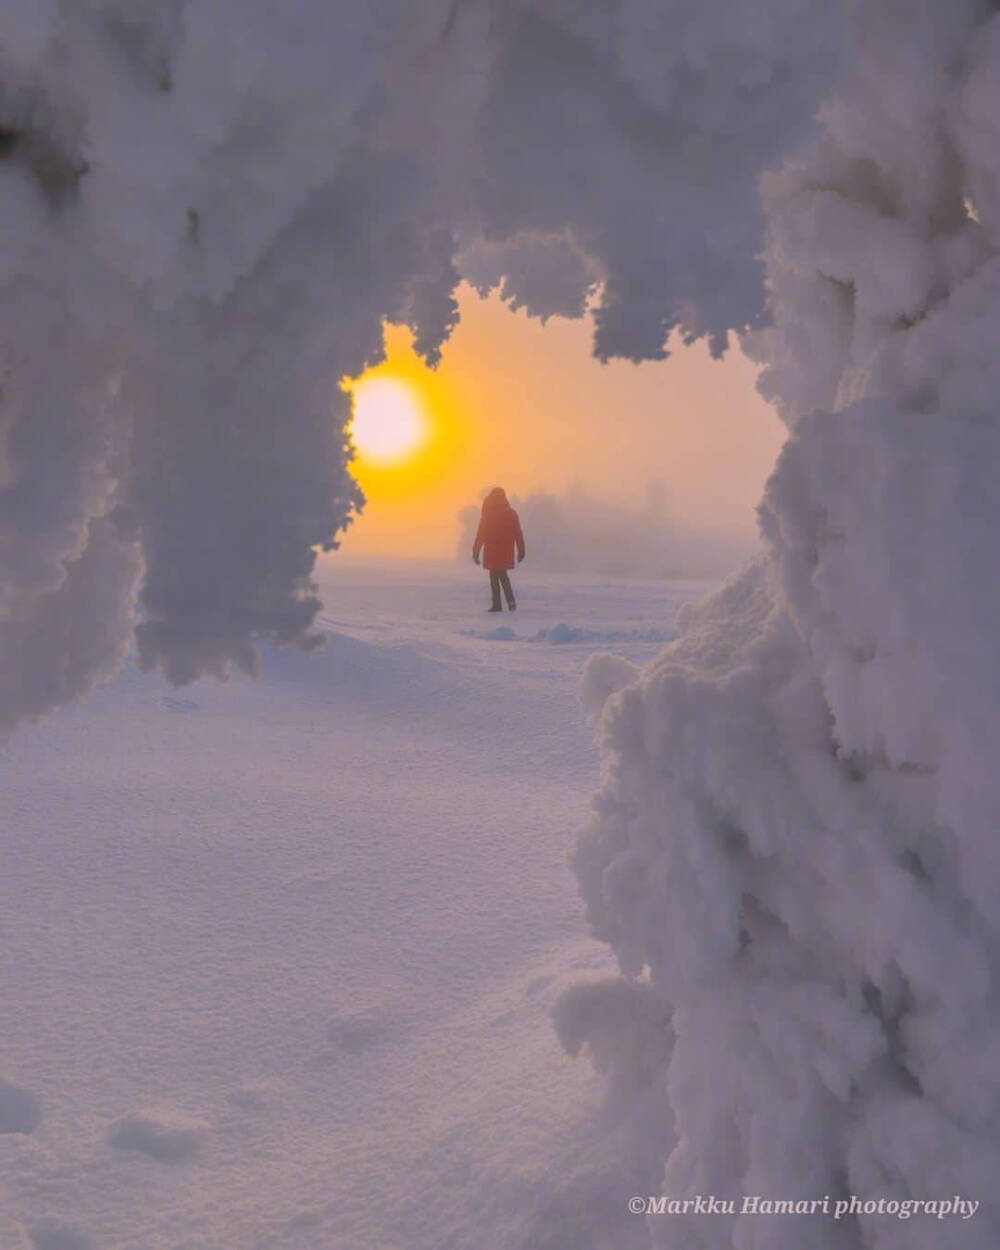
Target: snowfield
x: 279, y: 956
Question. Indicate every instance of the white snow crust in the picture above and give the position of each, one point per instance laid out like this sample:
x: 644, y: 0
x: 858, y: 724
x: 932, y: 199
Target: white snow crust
x: 278, y: 957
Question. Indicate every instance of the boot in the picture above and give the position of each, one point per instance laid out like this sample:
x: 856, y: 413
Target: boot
x: 494, y: 591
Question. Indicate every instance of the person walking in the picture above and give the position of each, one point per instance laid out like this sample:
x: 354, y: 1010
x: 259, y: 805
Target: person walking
x: 498, y: 534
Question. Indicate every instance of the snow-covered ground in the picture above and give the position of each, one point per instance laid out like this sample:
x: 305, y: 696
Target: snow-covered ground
x: 278, y: 956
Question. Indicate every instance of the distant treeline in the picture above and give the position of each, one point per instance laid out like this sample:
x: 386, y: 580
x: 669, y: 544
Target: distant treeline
x: 578, y: 533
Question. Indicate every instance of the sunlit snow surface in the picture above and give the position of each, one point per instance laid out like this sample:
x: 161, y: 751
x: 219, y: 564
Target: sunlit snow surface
x: 278, y: 956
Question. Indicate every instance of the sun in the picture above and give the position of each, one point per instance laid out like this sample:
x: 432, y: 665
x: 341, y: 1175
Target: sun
x: 389, y: 422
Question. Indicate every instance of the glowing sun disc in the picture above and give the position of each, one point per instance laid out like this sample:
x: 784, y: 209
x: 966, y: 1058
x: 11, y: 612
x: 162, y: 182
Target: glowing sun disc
x: 389, y: 423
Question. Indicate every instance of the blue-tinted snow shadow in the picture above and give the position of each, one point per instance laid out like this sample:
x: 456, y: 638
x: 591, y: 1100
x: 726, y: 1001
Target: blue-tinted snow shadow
x: 563, y: 634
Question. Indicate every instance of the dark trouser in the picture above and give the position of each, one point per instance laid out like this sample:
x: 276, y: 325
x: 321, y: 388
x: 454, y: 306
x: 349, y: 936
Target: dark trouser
x: 500, y: 581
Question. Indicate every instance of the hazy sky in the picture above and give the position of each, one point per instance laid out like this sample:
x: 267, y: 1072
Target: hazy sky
x: 525, y: 405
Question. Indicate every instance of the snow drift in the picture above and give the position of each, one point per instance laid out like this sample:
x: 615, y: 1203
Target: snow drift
x: 207, y: 210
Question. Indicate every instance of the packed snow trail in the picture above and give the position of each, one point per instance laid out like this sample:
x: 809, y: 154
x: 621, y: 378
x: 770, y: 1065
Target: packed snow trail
x: 279, y: 955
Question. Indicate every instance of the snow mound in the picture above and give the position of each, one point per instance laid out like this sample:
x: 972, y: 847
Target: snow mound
x: 502, y: 633
x: 563, y: 634
x: 164, y: 1135
x: 604, y: 675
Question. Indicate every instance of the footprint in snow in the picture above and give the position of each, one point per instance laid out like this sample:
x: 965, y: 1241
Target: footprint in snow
x: 260, y: 1097
x: 58, y: 1237
x: 358, y: 1031
x: 20, y: 1109
x: 163, y: 1135
x: 173, y: 704
x: 537, y: 985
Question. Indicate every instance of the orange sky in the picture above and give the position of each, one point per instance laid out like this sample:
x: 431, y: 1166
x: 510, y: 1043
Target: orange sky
x: 526, y: 406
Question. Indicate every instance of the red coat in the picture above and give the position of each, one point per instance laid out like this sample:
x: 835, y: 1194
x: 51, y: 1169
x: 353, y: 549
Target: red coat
x: 498, y: 533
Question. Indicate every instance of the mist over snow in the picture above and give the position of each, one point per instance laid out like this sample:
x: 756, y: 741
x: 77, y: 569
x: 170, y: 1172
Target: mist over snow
x: 578, y: 533
x: 207, y: 210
